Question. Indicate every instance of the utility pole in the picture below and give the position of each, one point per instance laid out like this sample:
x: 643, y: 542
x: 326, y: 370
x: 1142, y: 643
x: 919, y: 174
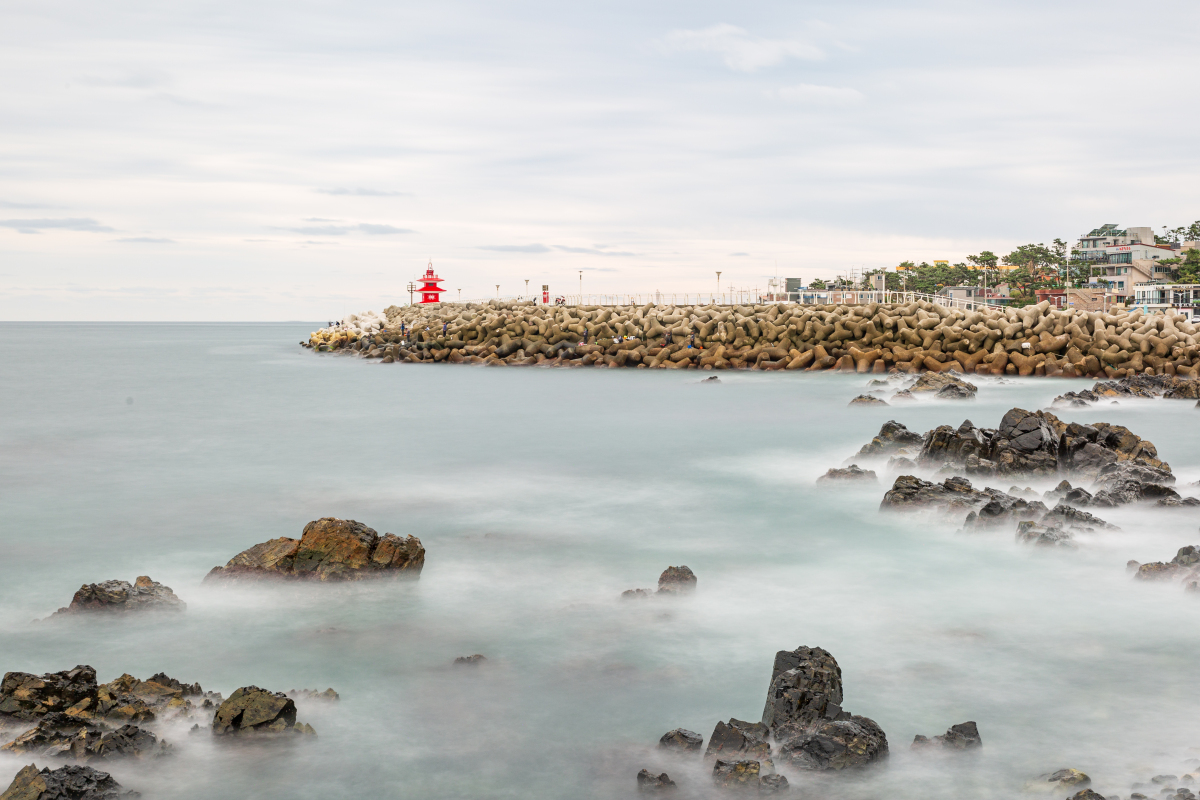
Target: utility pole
x: 411, y: 289
x: 580, y: 287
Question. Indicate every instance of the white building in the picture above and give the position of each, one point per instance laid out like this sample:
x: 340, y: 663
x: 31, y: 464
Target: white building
x: 1168, y: 298
x: 1127, y: 265
x: 1094, y: 245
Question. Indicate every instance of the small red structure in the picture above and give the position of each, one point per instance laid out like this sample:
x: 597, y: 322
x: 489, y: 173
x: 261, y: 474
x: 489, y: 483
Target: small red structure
x: 429, y: 290
x: 1057, y: 297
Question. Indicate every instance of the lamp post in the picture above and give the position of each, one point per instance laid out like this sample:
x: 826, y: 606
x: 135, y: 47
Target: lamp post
x: 718, y: 284
x: 460, y: 295
x: 580, y: 287
x: 497, y: 291
x: 527, y: 287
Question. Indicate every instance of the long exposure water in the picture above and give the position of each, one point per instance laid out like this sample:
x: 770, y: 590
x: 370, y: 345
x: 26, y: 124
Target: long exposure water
x: 540, y: 495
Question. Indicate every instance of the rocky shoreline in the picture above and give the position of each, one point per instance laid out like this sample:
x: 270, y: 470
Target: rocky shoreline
x: 875, y: 338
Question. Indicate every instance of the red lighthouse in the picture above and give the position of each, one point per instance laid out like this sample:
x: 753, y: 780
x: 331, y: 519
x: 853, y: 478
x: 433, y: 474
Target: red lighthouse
x: 429, y: 290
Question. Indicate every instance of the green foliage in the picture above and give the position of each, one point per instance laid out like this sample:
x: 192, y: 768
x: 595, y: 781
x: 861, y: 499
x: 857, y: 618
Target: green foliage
x: 986, y: 258
x: 1189, y: 267
x: 817, y: 283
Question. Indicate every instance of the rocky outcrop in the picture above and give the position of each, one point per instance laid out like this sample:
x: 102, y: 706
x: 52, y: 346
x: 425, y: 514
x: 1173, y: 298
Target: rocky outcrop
x: 848, y: 474
x: 1123, y: 483
x: 963, y: 736
x: 65, y: 783
x: 867, y: 400
x: 1031, y: 532
x: 952, y: 495
x: 741, y: 774
x: 650, y: 783
x: 329, y: 695
x: 682, y: 740
x: 944, y: 385
x: 329, y: 549
x: 1140, y: 385
x: 122, y: 597
x: 58, y: 735
x: 27, y: 698
x: 804, y: 714
x: 254, y: 711
x: 916, y: 337
x: 892, y: 439
x: 772, y: 784
x: 676, y: 580
x: 1184, y: 567
x: 470, y: 661
x: 738, y: 739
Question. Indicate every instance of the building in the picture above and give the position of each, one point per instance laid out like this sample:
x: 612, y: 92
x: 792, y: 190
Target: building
x: 1056, y: 297
x: 1094, y: 246
x: 1127, y: 265
x: 1168, y: 298
x: 992, y: 296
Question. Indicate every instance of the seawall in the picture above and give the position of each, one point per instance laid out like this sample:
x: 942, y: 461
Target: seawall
x: 875, y: 338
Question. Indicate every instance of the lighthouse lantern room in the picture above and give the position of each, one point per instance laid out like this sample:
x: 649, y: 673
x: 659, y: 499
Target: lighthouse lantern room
x: 430, y: 291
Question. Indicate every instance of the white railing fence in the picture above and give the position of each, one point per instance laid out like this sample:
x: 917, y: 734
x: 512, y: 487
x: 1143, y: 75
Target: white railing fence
x: 753, y: 297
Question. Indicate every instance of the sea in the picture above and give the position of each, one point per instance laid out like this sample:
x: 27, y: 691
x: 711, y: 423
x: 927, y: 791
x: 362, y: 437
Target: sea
x: 541, y: 495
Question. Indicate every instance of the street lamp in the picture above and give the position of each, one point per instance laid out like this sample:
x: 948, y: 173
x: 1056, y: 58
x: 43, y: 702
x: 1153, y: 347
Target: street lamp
x: 527, y: 287
x: 718, y: 283
x: 580, y: 287
x: 497, y: 291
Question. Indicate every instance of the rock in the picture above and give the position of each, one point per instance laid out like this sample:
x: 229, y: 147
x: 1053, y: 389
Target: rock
x: 742, y: 774
x: 329, y: 695
x: 681, y: 739
x: 773, y: 784
x: 1031, y: 532
x: 737, y: 738
x: 836, y: 745
x: 867, y: 400
x: 956, y: 392
x: 60, y: 735
x: 892, y: 438
x: 676, y: 580
x: 939, y: 382
x: 954, y: 494
x: 903, y: 396
x: 901, y: 464
x: 25, y: 697
x: 648, y: 782
x: 635, y: 594
x: 945, y: 444
x: 251, y: 710
x: 65, y: 783
x: 1001, y: 510
x: 850, y: 473
x: 711, y: 379
x: 962, y: 736
x: 1067, y: 777
x: 806, y: 687
x: 1074, y: 518
x: 469, y: 661
x: 120, y: 597
x: 1087, y: 794
x: 330, y: 549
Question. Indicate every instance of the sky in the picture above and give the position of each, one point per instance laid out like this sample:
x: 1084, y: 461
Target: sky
x: 300, y: 160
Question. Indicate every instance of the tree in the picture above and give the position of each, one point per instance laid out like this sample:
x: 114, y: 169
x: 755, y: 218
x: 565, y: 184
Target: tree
x: 817, y: 283
x: 986, y: 259
x: 1188, y: 270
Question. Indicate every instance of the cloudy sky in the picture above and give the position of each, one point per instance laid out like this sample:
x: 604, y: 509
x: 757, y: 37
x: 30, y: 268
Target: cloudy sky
x: 249, y: 160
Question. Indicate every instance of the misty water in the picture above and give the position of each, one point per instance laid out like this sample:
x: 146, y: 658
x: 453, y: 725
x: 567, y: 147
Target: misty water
x: 540, y: 495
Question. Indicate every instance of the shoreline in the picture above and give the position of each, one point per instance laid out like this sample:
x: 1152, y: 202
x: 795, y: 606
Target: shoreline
x: 875, y: 338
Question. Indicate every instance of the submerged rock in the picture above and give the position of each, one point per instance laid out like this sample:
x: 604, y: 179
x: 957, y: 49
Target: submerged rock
x: 681, y: 739
x: 470, y: 661
x: 1031, y: 532
x: 945, y: 385
x: 772, y: 784
x: 850, y: 473
x: 635, y: 594
x: 329, y: 695
x: 891, y: 439
x: 330, y: 549
x: 649, y: 782
x: 867, y: 400
x: 65, y: 783
x: 743, y: 774
x: 121, y: 597
x: 962, y: 736
x: 836, y: 745
x: 251, y: 710
x: 676, y: 580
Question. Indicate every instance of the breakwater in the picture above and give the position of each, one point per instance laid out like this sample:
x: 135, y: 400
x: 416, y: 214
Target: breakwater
x: 874, y: 338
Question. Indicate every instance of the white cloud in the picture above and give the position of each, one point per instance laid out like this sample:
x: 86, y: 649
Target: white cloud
x: 811, y: 93
x: 738, y: 49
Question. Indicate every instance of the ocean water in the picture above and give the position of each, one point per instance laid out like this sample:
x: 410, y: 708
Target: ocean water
x: 540, y: 495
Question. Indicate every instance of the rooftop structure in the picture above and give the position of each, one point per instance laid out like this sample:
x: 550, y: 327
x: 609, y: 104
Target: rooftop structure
x: 1092, y: 245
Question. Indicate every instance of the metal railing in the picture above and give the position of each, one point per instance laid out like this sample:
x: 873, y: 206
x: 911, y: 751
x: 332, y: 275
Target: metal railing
x: 755, y: 297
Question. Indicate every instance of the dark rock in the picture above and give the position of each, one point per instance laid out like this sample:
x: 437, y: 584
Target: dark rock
x: 635, y: 594
x: 963, y: 736
x: 330, y: 549
x: 850, y: 473
x: 1001, y: 510
x: 903, y: 396
x: 65, y: 783
x: 121, y: 597
x: 648, y: 782
x: 736, y: 738
x: 251, y: 710
x: 1068, y: 777
x: 1176, y: 502
x: 470, y: 661
x: 939, y: 382
x: 59, y: 735
x: 954, y: 494
x: 955, y: 445
x: 1185, y: 564
x: 892, y: 438
x: 956, y: 392
x: 1081, y: 399
x: 1074, y: 518
x: 1087, y: 794
x: 676, y: 580
x: 772, y: 784
x: 681, y: 739
x: 737, y: 774
x: 806, y: 688
x: 1031, y: 532
x: 25, y: 697
x: 901, y: 464
x: 867, y: 400
x: 711, y: 379
x: 836, y: 745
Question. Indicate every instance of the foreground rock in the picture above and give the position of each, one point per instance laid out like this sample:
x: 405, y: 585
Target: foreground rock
x: 1184, y: 567
x: 65, y: 783
x: 681, y: 740
x: 893, y: 440
x: 1140, y: 385
x: 804, y: 714
x: 253, y: 711
x: 846, y: 474
x: 121, y: 597
x: 944, y: 385
x: 963, y: 736
x: 676, y: 580
x: 737, y: 739
x: 58, y: 735
x: 330, y: 549
x: 649, y: 782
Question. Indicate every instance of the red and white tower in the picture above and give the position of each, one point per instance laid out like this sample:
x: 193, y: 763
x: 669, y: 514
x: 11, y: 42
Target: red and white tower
x: 429, y: 290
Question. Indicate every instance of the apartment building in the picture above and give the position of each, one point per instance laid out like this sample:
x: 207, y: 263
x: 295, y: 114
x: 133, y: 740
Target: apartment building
x: 1126, y: 265
x: 1094, y: 246
x: 1168, y: 298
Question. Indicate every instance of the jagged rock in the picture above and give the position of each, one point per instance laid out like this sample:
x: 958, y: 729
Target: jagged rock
x: 836, y: 745
x: 59, y: 735
x: 648, y: 782
x: 470, y: 661
x: 681, y: 739
x: 251, y: 710
x: 1176, y: 502
x: 1185, y: 564
x: 946, y: 444
x: 901, y: 464
x: 1087, y: 794
x: 635, y: 594
x: 737, y: 774
x: 904, y: 396
x: 954, y: 494
x: 962, y: 736
x: 65, y: 783
x: 24, y: 696
x: 850, y: 473
x: 1081, y: 399
x: 121, y: 597
x: 867, y: 400
x: 676, y: 580
x: 330, y: 549
x: 737, y: 738
x: 1001, y: 510
x: 329, y: 695
x: 956, y: 392
x: 1070, y: 517
x: 939, y: 382
x: 892, y: 438
x: 1031, y: 532
x: 772, y: 784
x: 1123, y: 483
x: 805, y: 688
